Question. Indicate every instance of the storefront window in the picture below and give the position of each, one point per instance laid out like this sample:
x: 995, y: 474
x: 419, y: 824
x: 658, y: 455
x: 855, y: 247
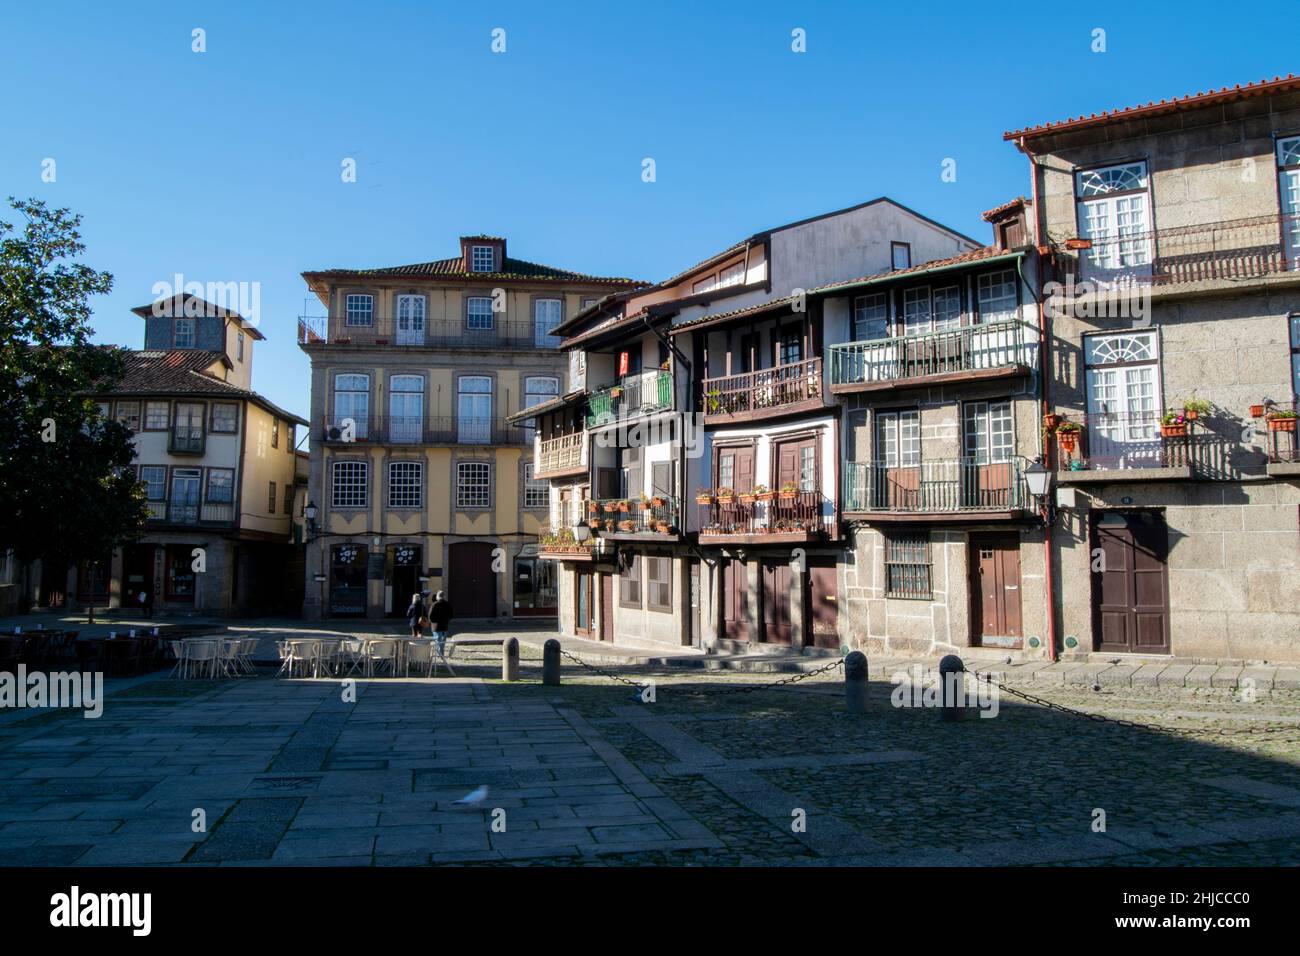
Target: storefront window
x: 535, y: 586
x: 348, y: 579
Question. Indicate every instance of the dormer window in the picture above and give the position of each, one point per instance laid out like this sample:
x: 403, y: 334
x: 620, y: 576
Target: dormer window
x: 183, y: 334
x: 482, y: 259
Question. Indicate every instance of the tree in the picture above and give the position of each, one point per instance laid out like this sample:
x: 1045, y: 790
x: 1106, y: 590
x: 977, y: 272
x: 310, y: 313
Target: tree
x: 67, y: 491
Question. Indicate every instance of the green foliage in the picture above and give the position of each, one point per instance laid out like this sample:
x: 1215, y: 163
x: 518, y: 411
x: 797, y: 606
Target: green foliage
x: 67, y: 492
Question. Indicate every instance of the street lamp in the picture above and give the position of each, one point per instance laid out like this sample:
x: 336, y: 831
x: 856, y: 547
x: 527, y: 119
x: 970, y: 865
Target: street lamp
x: 1039, y: 479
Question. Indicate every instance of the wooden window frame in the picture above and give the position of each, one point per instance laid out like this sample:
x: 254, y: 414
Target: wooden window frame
x: 207, y: 486
x: 631, y: 580
x: 212, y: 419
x: 665, y: 564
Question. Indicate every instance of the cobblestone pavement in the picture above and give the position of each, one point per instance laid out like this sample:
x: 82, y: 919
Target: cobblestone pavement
x: 288, y: 772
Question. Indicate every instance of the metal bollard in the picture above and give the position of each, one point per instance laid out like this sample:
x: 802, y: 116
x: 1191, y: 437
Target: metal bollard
x: 855, y: 682
x: 948, y: 687
x: 551, y: 663
x: 510, y: 659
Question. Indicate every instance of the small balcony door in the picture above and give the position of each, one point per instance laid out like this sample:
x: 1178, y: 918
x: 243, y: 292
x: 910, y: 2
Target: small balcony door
x: 1288, y: 162
x: 988, y: 445
x: 896, y: 484
x: 546, y: 316
x: 474, y: 410
x: 410, y: 320
x: 1114, y: 212
x: 1123, y: 400
x: 185, y: 495
x: 406, y: 408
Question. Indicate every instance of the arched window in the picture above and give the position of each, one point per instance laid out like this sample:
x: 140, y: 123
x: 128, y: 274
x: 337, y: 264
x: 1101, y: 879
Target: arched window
x: 406, y: 408
x: 474, y: 409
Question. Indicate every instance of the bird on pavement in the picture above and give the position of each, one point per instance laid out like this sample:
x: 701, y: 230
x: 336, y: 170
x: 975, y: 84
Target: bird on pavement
x: 472, y: 799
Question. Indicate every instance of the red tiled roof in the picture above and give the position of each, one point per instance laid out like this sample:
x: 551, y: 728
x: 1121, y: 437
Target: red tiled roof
x: 975, y: 255
x: 182, y: 372
x: 454, y: 268
x: 1228, y: 94
x: 991, y: 214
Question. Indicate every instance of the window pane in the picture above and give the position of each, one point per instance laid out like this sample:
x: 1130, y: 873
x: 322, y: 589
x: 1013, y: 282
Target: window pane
x: 351, y: 480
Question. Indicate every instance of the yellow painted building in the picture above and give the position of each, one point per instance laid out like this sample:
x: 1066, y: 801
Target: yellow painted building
x: 417, y: 480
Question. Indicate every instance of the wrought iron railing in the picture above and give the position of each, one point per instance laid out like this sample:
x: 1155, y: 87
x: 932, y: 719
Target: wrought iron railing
x: 473, y: 332
x: 1115, y: 441
x: 560, y: 453
x: 1229, y: 249
x: 935, y: 485
x: 765, y: 389
x: 642, y: 394
x: 970, y: 348
x: 186, y: 440
x: 773, y: 513
x: 660, y: 513
x: 413, y: 430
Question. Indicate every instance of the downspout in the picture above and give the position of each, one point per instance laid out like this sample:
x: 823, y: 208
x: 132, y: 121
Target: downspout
x: 1044, y: 367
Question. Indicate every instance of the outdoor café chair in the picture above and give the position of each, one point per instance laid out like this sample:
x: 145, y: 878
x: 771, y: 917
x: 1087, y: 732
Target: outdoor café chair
x: 421, y: 654
x: 330, y: 655
x: 352, y: 655
x: 301, y: 654
x: 200, y: 656
x: 228, y: 657
x: 381, y: 652
x: 177, y: 649
x: 247, y: 648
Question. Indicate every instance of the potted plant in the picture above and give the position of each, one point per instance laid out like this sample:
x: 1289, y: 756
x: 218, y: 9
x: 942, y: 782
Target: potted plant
x: 747, y: 497
x: 1050, y: 421
x: 609, y: 524
x: 1194, y: 408
x: 726, y: 496
x: 1067, y: 435
x: 1173, y: 425
x: 659, y: 501
x: 661, y: 527
x: 1257, y: 411
x: 714, y: 395
x: 763, y: 493
x: 611, y: 507
x: 704, y: 496
x: 789, y: 491
x: 624, y: 506
x: 593, y: 507
x: 645, y: 502
x: 1281, y: 420
x: 627, y: 524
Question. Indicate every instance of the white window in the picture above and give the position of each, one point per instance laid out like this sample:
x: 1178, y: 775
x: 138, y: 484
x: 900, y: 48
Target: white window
x: 184, y: 334
x: 997, y: 296
x: 987, y: 432
x: 537, y: 493
x: 225, y: 416
x: 157, y: 416
x: 1114, y: 213
x: 540, y: 389
x: 406, y: 408
x: 870, y: 317
x: 405, y: 484
x: 185, y: 494
x: 478, y: 314
x: 350, y: 484
x: 360, y: 310
x: 410, y: 320
x: 154, y: 479
x: 482, y: 259
x: 898, y: 438
x: 900, y: 255
x: 128, y: 413
x: 1123, y: 380
x: 926, y: 310
x: 546, y: 316
x: 733, y: 274
x: 707, y: 284
x: 1288, y: 172
x: 474, y: 409
x: 352, y: 401
x: 473, y: 484
x: 221, y: 485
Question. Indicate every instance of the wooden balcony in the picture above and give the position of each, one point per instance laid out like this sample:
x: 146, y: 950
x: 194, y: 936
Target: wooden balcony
x: 970, y: 353
x: 562, y: 456
x: 774, y: 518
x: 564, y: 546
x: 948, y: 489
x: 768, y: 392
x: 192, y: 513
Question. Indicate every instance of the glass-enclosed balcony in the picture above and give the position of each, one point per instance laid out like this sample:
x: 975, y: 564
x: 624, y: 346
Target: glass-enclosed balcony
x: 644, y: 393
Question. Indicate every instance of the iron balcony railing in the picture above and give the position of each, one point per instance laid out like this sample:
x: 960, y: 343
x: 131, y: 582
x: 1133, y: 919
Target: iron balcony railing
x: 767, y: 389
x: 808, y: 512
x: 1117, y: 441
x: 935, y: 486
x: 413, y: 430
x: 1229, y: 249
x: 475, y: 332
x: 560, y: 453
x: 633, y: 516
x: 641, y: 394
x: 186, y: 440
x: 969, y: 348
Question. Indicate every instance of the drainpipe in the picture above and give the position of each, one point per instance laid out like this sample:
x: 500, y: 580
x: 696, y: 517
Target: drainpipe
x: 1044, y: 366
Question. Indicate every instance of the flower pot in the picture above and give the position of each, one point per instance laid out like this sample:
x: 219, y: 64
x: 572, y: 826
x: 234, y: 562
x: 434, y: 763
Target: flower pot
x: 1191, y: 414
x: 1068, y: 441
x: 788, y: 495
x: 1257, y: 411
x: 747, y: 499
x: 1281, y: 424
x: 704, y: 499
x: 1051, y: 420
x: 645, y: 505
x: 610, y: 509
x: 659, y: 502
x: 1173, y: 431
x: 765, y: 496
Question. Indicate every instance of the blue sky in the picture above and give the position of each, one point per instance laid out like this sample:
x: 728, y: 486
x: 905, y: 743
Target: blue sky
x: 225, y: 166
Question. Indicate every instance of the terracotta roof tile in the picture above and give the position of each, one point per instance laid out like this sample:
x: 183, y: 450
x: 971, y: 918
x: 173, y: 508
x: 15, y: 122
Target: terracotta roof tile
x: 511, y: 269
x: 1279, y: 84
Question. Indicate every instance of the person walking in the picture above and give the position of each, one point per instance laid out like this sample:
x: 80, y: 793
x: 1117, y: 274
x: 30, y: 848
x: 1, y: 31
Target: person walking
x: 415, y: 616
x: 440, y: 615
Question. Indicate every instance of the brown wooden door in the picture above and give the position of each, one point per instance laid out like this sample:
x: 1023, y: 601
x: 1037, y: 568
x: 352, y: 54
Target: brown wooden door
x: 995, y: 590
x: 776, y: 602
x: 607, y: 607
x: 471, y: 585
x: 735, y: 600
x: 1131, y: 588
x: 823, y: 600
